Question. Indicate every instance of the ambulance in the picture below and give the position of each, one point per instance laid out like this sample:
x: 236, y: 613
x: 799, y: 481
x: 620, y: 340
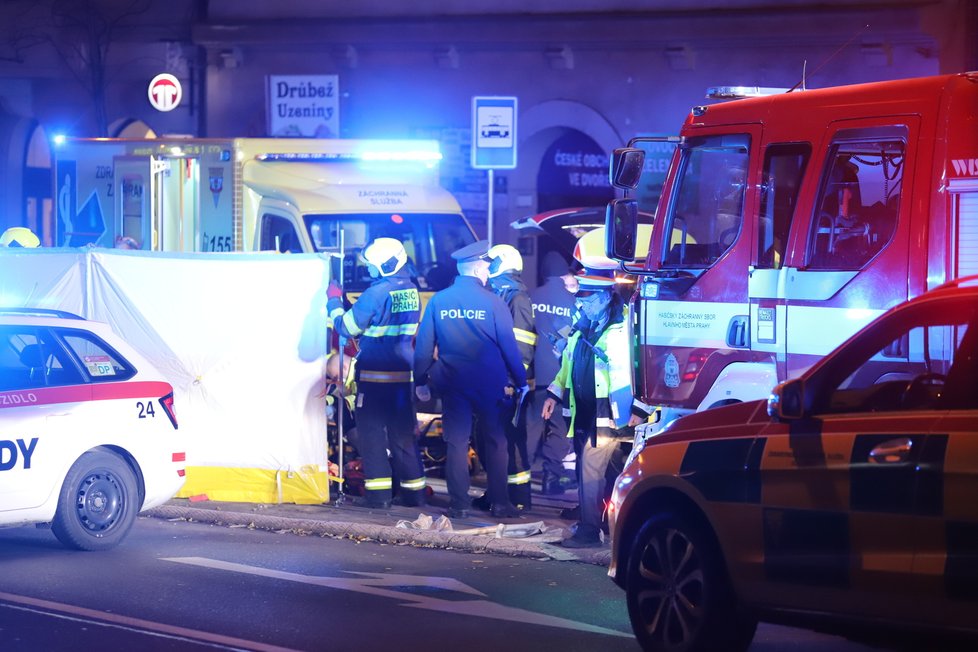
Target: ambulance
x: 288, y: 195
x: 787, y: 222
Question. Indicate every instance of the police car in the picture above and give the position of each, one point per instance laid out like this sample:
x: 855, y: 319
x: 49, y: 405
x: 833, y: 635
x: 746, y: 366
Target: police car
x: 847, y: 502
x: 88, y: 434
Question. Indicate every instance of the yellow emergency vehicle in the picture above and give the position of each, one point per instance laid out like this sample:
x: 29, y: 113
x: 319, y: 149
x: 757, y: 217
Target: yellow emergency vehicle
x: 845, y: 502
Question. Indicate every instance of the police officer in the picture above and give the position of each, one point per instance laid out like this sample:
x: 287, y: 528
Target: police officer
x: 385, y: 320
x: 594, y: 384
x: 505, y: 269
x: 19, y: 236
x: 472, y: 330
x: 553, y: 314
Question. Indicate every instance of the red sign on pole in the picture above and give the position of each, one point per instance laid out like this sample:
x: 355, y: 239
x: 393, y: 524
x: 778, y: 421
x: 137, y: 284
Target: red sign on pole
x: 165, y: 92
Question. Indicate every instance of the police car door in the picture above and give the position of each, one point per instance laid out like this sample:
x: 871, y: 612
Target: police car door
x: 841, y: 486
x: 946, y: 561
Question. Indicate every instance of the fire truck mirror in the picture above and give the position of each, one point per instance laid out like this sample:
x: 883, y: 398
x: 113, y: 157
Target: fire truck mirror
x: 626, y: 167
x: 621, y: 229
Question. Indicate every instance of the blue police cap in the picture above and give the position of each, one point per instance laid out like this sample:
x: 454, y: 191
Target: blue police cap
x: 472, y: 252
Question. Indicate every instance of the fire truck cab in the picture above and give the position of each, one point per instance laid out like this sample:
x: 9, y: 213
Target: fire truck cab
x: 787, y: 222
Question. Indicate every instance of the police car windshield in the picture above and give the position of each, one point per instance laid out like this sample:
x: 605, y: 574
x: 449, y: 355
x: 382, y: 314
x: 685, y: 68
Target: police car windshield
x: 428, y: 238
x: 706, y: 209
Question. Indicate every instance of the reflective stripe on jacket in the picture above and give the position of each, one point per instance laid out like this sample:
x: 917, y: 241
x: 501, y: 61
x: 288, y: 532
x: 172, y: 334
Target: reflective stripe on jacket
x: 385, y: 320
x: 612, y: 379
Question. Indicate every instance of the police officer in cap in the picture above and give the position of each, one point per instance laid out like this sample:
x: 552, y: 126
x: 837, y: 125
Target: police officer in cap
x: 385, y: 320
x: 472, y: 330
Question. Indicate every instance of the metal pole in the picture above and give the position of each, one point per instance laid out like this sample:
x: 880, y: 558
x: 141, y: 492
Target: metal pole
x: 341, y: 388
x: 489, y: 216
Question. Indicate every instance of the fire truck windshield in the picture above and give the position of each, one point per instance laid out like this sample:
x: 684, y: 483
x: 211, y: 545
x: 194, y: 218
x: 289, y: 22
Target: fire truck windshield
x: 428, y: 238
x: 706, y: 207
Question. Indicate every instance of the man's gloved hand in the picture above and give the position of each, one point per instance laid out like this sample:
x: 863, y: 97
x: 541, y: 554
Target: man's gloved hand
x: 334, y: 291
x: 423, y: 393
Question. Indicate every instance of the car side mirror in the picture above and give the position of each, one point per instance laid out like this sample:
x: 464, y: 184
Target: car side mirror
x: 621, y: 229
x: 626, y: 167
x: 787, y: 401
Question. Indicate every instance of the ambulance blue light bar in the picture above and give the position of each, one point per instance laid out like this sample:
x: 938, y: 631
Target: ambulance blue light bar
x: 420, y: 156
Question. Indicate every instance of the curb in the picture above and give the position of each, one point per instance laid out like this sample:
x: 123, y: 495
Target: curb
x: 385, y: 534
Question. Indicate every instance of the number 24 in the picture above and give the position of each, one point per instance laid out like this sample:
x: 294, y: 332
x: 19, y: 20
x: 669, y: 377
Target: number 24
x: 145, y: 410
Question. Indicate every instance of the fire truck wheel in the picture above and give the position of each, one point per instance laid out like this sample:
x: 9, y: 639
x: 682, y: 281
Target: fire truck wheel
x: 98, y: 502
x: 678, y: 594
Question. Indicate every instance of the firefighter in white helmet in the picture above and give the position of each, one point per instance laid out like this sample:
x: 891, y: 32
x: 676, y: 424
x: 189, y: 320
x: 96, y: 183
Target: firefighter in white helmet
x: 385, y: 319
x: 19, y: 236
x: 505, y: 269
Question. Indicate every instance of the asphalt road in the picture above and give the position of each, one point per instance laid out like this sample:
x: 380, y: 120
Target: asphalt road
x: 189, y: 586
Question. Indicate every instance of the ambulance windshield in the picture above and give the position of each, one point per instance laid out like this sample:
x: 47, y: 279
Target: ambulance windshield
x: 428, y: 238
x: 706, y: 210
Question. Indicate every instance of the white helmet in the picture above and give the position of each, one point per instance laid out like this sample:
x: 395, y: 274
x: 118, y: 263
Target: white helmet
x: 19, y: 236
x: 504, y: 258
x: 386, y: 254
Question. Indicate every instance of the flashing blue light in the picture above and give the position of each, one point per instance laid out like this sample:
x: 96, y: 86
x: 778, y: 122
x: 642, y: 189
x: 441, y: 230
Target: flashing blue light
x: 59, y: 139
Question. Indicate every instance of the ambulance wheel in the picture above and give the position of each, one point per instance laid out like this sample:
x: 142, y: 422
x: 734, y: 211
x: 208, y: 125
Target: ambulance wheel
x: 98, y: 502
x: 678, y: 594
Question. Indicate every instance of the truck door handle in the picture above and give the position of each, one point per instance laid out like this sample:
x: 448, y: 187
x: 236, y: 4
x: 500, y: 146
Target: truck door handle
x: 892, y: 451
x: 737, y: 332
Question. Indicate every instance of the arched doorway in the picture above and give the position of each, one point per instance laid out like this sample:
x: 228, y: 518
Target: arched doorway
x: 25, y: 168
x: 573, y: 172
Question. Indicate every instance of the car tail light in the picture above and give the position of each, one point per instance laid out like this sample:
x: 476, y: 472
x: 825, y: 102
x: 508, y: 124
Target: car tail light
x: 167, y: 403
x: 694, y: 365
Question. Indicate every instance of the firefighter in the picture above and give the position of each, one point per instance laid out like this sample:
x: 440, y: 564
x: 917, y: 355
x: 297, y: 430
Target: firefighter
x: 553, y: 314
x: 477, y: 356
x: 505, y: 269
x: 594, y: 384
x: 19, y: 236
x: 385, y: 320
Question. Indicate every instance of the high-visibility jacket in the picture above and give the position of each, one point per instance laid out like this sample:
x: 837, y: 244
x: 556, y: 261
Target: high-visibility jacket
x: 385, y: 320
x: 615, y: 402
x: 509, y: 287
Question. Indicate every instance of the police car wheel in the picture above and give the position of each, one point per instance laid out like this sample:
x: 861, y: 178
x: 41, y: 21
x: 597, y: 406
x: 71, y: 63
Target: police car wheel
x: 678, y: 595
x: 98, y: 502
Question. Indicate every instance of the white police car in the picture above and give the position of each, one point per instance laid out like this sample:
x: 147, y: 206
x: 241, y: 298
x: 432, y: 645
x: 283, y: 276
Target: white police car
x: 88, y: 435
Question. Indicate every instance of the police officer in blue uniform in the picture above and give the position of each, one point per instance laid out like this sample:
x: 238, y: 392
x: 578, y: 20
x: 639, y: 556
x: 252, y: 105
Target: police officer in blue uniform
x: 385, y: 320
x: 553, y: 312
x: 472, y: 330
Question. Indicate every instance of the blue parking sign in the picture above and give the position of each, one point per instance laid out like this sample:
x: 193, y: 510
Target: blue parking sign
x: 493, y: 133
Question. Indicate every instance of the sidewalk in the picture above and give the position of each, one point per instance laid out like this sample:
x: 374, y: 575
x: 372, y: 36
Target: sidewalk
x: 342, y: 519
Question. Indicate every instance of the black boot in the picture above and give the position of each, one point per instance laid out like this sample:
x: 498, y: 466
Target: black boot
x: 551, y: 485
x: 481, y: 503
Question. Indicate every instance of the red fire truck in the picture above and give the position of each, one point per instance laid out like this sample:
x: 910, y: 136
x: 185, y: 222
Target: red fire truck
x: 790, y: 220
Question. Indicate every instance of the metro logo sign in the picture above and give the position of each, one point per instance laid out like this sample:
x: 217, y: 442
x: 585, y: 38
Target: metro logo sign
x: 165, y: 92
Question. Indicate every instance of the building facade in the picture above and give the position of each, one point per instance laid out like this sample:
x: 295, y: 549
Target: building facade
x: 588, y: 74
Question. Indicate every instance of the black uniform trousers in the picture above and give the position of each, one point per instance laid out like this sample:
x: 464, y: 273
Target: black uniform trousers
x: 458, y: 410
x: 546, y: 439
x: 518, y: 467
x: 386, y: 420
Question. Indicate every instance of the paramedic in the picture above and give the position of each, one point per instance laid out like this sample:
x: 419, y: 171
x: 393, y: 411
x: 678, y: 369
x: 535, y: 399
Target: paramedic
x: 385, y: 320
x: 477, y: 355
